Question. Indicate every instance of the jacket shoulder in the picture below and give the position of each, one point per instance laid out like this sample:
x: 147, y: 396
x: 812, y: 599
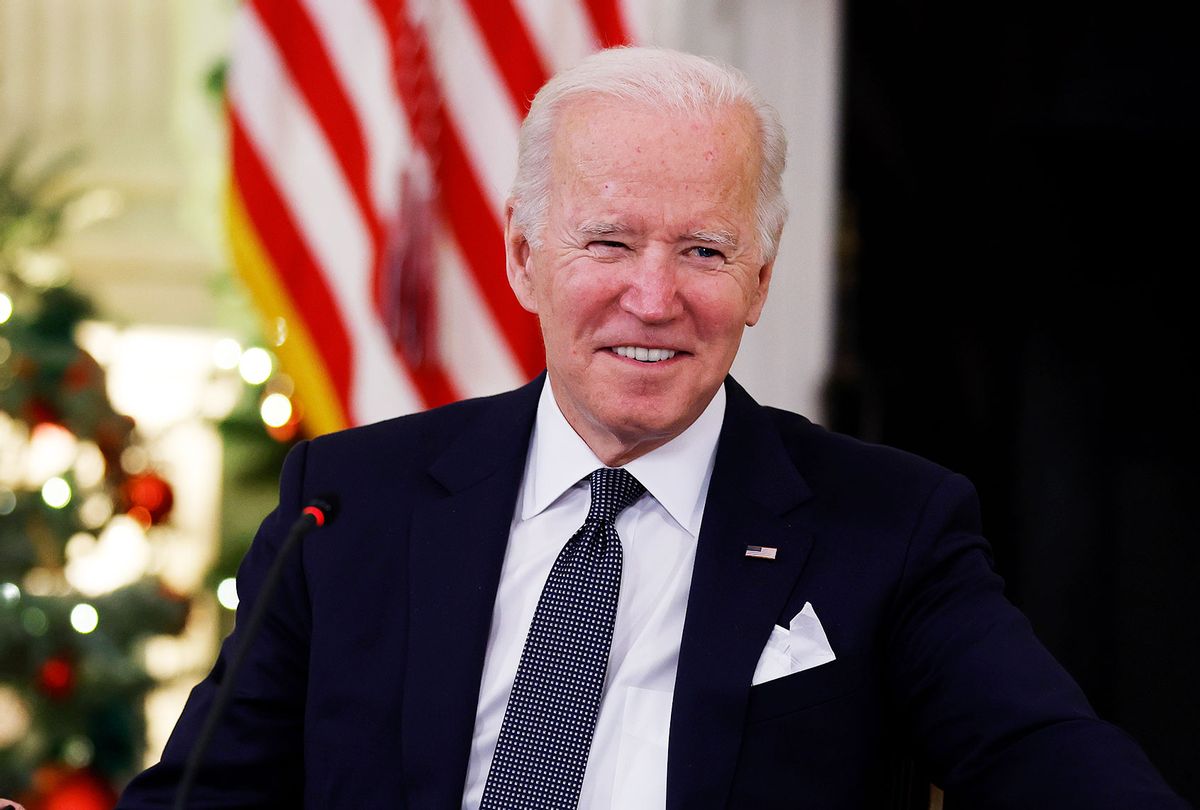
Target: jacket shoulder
x: 835, y: 463
x: 806, y: 436
x: 414, y: 441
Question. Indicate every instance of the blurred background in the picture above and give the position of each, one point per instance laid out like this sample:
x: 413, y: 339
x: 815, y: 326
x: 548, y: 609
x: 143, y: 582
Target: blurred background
x: 227, y: 226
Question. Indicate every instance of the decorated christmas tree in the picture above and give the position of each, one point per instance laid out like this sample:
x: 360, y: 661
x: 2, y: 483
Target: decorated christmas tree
x: 80, y: 514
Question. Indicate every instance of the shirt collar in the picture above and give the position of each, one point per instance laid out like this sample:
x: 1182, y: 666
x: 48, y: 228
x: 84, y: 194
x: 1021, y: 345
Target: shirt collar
x: 676, y: 474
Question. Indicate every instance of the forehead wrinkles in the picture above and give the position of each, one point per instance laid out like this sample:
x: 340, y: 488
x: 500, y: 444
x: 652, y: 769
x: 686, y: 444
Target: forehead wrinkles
x: 620, y: 164
x: 598, y: 135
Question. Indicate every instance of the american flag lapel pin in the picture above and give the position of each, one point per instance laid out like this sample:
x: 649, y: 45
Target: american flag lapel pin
x: 761, y: 552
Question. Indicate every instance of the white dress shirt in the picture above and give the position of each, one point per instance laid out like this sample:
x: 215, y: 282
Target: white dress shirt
x: 627, y: 766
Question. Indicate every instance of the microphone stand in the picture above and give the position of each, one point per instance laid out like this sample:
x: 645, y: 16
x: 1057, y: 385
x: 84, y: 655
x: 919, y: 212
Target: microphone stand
x: 317, y: 513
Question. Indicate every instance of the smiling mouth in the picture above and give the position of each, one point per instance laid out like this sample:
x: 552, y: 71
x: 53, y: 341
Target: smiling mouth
x: 644, y: 354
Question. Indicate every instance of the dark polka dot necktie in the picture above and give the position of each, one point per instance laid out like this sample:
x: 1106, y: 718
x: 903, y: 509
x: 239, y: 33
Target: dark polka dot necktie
x: 542, y: 750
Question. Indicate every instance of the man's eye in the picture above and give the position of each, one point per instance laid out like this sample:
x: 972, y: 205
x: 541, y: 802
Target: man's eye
x: 606, y: 244
x: 707, y: 253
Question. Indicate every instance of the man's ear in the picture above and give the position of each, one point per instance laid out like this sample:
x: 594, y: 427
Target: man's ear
x: 760, y: 293
x: 518, y: 257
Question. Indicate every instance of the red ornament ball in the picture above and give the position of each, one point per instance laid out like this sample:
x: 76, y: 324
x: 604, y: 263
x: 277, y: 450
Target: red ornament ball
x: 56, y: 677
x: 148, y: 498
x: 83, y: 373
x: 57, y: 787
x: 38, y: 410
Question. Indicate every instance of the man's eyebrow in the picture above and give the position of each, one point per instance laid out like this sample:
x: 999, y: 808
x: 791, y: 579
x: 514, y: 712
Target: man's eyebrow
x: 597, y: 227
x: 726, y: 238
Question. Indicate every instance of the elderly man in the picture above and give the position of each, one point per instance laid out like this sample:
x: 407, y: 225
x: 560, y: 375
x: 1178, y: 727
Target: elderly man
x: 627, y: 585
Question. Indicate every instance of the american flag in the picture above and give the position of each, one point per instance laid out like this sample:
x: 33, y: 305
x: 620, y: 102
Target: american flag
x: 373, y: 143
x: 762, y: 552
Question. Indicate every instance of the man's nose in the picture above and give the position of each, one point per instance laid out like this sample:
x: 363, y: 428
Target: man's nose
x: 652, y: 290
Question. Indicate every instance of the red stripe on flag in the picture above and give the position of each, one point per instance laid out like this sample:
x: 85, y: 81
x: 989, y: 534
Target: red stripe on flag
x: 300, y: 45
x: 513, y: 52
x: 607, y: 20
x: 482, y: 241
x: 434, y: 382
x: 298, y: 271
x: 466, y: 210
x: 303, y: 52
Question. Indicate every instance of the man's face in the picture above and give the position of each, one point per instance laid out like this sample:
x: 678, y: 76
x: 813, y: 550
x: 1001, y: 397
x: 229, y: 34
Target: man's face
x: 648, y: 268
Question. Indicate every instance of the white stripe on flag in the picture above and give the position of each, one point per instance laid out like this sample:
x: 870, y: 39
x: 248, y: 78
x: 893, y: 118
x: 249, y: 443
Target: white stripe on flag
x: 477, y: 356
x: 477, y: 102
x: 561, y: 30
x: 356, y: 41
x: 300, y: 163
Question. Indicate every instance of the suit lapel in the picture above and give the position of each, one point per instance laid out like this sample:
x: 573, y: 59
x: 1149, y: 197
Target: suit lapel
x: 457, y: 546
x: 734, y: 600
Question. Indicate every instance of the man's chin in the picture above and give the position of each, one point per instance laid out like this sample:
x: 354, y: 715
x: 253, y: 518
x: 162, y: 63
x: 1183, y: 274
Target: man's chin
x: 645, y: 427
x: 653, y: 413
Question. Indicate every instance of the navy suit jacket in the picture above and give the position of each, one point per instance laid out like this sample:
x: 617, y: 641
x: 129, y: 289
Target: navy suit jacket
x: 361, y: 691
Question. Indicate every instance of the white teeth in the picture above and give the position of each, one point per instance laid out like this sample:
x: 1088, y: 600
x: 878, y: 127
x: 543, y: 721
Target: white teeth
x: 643, y: 354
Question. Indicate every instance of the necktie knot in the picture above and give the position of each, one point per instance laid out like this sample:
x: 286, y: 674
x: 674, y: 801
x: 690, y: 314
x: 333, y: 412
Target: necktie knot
x: 613, y: 489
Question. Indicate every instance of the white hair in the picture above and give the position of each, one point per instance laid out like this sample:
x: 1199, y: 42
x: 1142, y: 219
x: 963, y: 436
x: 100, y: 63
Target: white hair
x: 658, y: 78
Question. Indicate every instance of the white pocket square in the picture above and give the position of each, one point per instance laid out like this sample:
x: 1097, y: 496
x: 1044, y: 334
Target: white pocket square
x: 799, y: 646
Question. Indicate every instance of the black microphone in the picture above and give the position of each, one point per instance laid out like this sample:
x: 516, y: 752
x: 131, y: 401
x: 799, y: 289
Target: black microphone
x: 318, y: 512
